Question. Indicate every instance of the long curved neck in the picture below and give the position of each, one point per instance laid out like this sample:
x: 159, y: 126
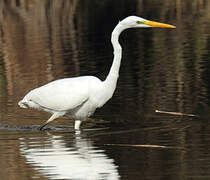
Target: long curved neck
x: 114, y: 71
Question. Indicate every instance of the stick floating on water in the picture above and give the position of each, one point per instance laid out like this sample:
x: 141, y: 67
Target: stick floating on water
x: 175, y: 113
x: 145, y: 146
x: 137, y: 145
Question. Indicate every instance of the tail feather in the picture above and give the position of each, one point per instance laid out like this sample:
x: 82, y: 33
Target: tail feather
x: 23, y: 104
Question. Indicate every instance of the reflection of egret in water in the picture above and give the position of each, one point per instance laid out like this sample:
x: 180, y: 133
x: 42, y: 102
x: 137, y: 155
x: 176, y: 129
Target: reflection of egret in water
x: 59, y: 159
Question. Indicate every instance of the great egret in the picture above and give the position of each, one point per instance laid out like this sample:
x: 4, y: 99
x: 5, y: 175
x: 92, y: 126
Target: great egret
x: 79, y: 97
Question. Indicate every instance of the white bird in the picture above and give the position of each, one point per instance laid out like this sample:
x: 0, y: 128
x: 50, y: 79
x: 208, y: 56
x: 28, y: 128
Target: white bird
x: 79, y: 97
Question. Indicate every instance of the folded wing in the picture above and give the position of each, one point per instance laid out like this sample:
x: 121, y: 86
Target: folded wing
x: 61, y: 95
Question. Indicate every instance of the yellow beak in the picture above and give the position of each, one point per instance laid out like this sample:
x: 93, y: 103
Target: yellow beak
x: 157, y: 24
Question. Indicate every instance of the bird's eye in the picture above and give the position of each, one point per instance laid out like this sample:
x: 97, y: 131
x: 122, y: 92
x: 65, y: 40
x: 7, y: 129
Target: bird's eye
x: 139, y: 22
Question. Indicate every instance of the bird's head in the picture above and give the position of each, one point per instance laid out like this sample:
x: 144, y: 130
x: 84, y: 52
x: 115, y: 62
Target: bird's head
x: 135, y: 22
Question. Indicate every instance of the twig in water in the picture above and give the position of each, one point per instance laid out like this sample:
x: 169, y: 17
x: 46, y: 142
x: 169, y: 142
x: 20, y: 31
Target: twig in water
x: 175, y: 113
x: 145, y: 146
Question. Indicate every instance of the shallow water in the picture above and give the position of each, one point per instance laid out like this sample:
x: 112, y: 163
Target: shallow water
x: 162, y: 69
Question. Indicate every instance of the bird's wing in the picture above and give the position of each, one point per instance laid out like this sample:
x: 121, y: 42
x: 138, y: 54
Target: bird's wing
x: 61, y: 95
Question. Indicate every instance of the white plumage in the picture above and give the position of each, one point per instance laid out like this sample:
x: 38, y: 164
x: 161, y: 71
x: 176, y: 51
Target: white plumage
x: 79, y: 97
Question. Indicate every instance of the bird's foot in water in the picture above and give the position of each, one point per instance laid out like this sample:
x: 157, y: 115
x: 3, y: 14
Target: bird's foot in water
x: 41, y: 128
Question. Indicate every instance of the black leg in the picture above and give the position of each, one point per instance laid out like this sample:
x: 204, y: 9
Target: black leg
x: 41, y: 128
x: 54, y: 116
